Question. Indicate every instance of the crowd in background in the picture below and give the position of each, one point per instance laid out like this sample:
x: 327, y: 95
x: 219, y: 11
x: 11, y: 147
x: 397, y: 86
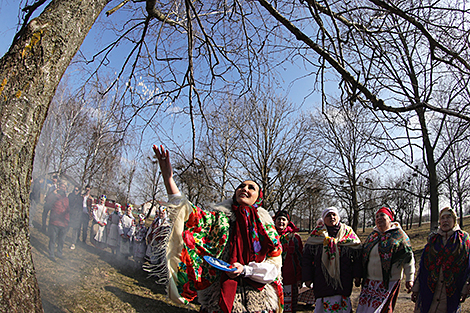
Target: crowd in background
x: 79, y: 214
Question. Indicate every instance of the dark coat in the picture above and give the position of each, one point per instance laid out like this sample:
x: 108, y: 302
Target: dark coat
x: 312, y: 270
x: 76, y: 209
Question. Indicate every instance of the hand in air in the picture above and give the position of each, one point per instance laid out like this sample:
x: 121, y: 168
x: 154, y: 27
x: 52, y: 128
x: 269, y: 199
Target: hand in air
x: 163, y: 157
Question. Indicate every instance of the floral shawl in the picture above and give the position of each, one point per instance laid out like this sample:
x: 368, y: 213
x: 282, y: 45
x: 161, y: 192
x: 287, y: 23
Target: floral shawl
x: 331, y: 252
x: 204, y: 233
x: 453, y: 259
x: 394, y: 247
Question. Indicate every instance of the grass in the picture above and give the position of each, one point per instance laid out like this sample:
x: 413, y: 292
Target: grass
x: 92, y: 280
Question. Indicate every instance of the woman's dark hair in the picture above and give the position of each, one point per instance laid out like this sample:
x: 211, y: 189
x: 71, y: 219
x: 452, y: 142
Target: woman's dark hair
x: 234, y: 193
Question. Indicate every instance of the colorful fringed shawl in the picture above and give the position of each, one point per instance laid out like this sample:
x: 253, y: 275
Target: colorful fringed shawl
x: 249, y: 242
x: 453, y: 259
x: 285, y: 237
x: 208, y: 233
x: 331, y: 252
x: 394, y: 248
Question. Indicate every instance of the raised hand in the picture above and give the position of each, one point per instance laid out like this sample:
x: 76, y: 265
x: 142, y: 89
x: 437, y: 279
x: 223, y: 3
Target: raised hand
x: 163, y: 157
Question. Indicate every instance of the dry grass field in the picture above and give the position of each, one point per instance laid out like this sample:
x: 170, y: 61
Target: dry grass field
x: 91, y: 280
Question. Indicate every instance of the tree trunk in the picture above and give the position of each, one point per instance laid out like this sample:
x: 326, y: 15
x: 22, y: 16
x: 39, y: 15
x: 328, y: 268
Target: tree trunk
x: 431, y: 167
x: 29, y: 74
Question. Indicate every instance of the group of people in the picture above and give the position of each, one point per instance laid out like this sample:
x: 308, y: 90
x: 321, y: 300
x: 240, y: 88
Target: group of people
x: 268, y: 261
x: 110, y: 228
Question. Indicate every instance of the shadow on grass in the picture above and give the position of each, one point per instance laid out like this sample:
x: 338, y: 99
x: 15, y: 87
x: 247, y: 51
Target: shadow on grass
x: 50, y: 308
x: 39, y: 246
x: 144, y: 304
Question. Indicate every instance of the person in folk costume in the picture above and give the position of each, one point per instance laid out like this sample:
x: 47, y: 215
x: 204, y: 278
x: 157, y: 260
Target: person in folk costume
x: 140, y: 245
x: 100, y: 219
x: 331, y: 262
x: 156, y: 234
x: 442, y: 281
x: 113, y: 228
x: 387, y: 254
x: 126, y: 231
x: 238, y: 231
x: 292, y: 248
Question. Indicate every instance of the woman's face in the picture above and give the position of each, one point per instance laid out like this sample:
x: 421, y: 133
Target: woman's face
x: 247, y: 193
x: 446, y: 222
x: 331, y: 219
x: 382, y: 221
x: 281, y: 223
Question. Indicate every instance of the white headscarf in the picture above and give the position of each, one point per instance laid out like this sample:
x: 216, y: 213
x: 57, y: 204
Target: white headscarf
x: 328, y: 210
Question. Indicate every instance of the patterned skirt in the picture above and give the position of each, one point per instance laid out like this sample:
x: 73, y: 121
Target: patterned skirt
x: 336, y: 303
x: 291, y: 295
x: 376, y: 297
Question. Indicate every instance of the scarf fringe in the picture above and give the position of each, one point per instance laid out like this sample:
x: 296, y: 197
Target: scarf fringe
x: 345, y: 251
x: 160, y: 270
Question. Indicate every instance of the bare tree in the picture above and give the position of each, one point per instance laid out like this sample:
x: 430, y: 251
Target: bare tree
x: 273, y: 148
x: 186, y: 50
x: 455, y: 165
x: 344, y: 137
x: 30, y: 72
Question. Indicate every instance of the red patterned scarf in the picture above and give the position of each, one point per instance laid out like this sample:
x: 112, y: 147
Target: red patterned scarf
x: 249, y: 242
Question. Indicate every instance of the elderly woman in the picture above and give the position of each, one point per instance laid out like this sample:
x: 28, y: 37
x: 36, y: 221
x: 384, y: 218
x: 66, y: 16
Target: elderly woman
x: 442, y: 281
x: 387, y: 254
x: 238, y: 231
x: 291, y: 256
x: 331, y: 261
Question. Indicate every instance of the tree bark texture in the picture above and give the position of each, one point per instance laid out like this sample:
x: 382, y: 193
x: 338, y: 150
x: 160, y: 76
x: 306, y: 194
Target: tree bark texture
x: 29, y: 74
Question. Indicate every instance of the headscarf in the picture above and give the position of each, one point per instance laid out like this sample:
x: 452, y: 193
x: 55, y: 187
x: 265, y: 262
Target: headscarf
x: 452, y: 257
x: 249, y: 242
x: 450, y: 211
x: 387, y: 211
x: 329, y: 210
x: 345, y: 237
x: 290, y: 228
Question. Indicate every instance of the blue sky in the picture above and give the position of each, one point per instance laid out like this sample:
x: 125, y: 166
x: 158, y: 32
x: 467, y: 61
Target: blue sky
x: 8, y: 23
x: 9, y: 13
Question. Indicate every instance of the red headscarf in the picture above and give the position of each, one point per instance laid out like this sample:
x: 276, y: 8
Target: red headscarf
x: 386, y: 211
x: 249, y: 242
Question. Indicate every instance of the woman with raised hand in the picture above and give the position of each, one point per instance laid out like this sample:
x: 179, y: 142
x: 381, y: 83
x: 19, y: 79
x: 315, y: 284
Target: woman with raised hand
x: 331, y: 262
x: 238, y: 231
x: 387, y: 254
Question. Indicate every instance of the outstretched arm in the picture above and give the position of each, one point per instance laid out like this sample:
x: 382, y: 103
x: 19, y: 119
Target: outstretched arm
x: 163, y: 157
